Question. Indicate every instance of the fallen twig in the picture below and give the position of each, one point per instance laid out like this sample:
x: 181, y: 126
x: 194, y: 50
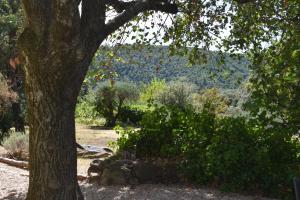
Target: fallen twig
x: 15, y: 163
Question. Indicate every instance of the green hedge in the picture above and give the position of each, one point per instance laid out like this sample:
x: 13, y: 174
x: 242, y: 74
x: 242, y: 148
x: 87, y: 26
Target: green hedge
x: 236, y: 154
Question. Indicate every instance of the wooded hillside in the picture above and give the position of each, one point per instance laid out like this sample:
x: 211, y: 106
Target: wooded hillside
x: 142, y: 64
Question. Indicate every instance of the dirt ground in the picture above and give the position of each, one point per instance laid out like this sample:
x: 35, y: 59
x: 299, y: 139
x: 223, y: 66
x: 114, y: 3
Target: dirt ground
x: 14, y: 184
x: 92, y: 135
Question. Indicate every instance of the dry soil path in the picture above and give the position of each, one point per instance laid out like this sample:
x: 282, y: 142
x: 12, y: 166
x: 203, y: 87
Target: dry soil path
x: 14, y: 184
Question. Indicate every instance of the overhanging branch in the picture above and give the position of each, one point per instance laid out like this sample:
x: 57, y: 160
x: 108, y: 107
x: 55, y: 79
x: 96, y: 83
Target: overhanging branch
x: 132, y: 9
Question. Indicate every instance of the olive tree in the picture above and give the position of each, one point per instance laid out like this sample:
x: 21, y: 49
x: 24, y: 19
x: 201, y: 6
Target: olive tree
x: 111, y: 99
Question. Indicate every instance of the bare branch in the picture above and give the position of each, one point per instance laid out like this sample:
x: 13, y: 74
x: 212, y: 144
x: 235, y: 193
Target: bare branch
x: 132, y: 9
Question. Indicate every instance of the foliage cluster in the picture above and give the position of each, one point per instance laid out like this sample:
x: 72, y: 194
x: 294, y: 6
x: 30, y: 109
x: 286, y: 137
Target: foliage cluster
x: 85, y: 110
x: 235, y: 153
x: 152, y: 90
x: 276, y: 84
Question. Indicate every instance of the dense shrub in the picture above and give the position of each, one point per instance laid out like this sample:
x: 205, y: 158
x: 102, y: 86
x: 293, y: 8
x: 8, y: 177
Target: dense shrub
x: 234, y: 153
x: 131, y: 115
x: 17, y: 145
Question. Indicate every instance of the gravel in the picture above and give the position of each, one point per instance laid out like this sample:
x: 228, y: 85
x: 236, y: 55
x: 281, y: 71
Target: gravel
x: 14, y: 184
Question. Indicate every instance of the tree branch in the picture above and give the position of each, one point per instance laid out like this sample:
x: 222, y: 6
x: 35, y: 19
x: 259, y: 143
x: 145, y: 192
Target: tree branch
x: 93, y: 15
x: 92, y: 22
x: 118, y: 5
x: 133, y: 8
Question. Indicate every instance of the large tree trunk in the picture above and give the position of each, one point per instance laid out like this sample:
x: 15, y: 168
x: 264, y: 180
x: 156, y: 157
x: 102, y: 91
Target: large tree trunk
x: 52, y: 148
x: 53, y: 78
x: 56, y: 61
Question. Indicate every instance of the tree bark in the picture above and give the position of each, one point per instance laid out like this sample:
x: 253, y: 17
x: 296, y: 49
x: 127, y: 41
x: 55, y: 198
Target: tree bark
x: 53, y: 160
x: 52, y: 145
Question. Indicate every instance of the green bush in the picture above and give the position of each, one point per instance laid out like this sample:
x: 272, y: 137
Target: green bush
x: 127, y: 140
x: 152, y: 90
x: 17, y: 145
x: 131, y: 115
x: 218, y: 101
x: 235, y: 153
x: 86, y: 112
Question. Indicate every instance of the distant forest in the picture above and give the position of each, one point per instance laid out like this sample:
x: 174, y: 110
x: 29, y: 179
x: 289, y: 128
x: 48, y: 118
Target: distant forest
x: 143, y: 64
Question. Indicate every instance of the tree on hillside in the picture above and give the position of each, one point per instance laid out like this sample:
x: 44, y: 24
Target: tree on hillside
x: 58, y: 44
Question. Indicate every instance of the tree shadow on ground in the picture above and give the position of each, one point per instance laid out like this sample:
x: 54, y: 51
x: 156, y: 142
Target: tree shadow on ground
x: 156, y: 192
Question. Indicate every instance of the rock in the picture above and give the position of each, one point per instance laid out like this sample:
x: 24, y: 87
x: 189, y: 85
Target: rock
x: 117, y: 172
x: 89, y: 151
x: 96, y: 166
x: 128, y: 172
x: 118, y: 176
